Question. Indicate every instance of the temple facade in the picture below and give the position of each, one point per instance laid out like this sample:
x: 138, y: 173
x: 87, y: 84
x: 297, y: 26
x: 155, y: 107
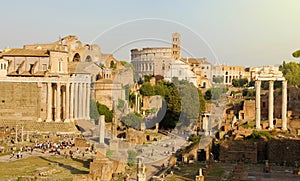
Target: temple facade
x: 52, y: 82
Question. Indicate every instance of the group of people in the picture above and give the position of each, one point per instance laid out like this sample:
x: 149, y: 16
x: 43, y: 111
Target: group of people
x: 18, y: 155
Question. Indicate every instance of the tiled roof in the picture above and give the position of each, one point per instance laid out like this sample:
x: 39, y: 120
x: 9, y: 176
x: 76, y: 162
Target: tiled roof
x: 195, y: 60
x: 25, y: 52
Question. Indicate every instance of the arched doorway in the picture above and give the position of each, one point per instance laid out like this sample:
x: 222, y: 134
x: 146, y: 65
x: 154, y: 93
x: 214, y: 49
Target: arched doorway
x: 76, y: 57
x: 88, y: 59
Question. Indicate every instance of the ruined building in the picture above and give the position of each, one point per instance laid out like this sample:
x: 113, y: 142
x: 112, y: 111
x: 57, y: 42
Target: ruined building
x: 51, y: 82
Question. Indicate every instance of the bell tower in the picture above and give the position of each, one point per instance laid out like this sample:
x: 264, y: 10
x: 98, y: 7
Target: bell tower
x: 176, y: 46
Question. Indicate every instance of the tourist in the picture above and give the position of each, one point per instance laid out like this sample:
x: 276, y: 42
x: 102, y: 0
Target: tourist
x: 12, y: 155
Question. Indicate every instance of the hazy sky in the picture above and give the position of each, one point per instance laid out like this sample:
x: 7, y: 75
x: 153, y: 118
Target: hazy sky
x: 233, y: 32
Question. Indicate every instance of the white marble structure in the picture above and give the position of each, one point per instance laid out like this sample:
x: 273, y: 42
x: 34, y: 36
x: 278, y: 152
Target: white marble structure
x: 62, y: 99
x: 270, y: 74
x: 182, y: 71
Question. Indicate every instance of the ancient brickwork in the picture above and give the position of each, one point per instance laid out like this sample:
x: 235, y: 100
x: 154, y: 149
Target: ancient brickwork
x: 231, y: 151
x: 280, y: 151
x: 20, y: 101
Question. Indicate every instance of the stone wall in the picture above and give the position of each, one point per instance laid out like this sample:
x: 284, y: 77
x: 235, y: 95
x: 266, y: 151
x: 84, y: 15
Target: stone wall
x: 106, y: 91
x: 232, y: 151
x: 20, y: 101
x: 276, y: 151
x: 249, y: 109
x: 284, y: 150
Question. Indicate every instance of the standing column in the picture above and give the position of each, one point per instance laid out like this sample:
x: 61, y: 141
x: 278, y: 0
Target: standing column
x: 284, y: 104
x: 63, y: 102
x: 80, y: 101
x: 72, y: 102
x: 67, y: 102
x: 271, y: 103
x: 84, y: 100
x: 257, y: 103
x: 58, y: 103
x: 76, y: 100
x: 102, y: 129
x: 49, y: 102
x: 88, y: 95
x: 136, y: 101
x: 138, y: 106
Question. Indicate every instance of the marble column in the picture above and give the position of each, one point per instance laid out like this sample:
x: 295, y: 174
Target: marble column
x: 88, y: 95
x: 49, y: 102
x: 84, y: 100
x: 102, y: 129
x: 138, y: 104
x: 72, y: 103
x: 58, y: 102
x: 136, y: 101
x: 284, y: 104
x: 271, y: 103
x: 80, y: 101
x: 75, y: 100
x: 257, y: 104
x: 63, y: 102
x: 67, y: 109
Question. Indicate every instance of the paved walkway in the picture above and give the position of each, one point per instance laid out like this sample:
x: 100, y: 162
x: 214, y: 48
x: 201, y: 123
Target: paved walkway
x: 9, y: 158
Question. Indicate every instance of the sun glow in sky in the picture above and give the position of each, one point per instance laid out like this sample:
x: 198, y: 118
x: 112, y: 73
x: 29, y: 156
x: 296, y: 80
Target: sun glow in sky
x: 249, y: 33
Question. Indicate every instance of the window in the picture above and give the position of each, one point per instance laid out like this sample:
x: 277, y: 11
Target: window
x: 59, y: 66
x: 1, y: 66
x: 31, y: 68
x: 4, y: 65
x: 44, y: 67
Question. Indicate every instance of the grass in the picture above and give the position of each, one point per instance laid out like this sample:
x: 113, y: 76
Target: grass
x: 216, y: 171
x: 186, y: 172
x: 28, y: 166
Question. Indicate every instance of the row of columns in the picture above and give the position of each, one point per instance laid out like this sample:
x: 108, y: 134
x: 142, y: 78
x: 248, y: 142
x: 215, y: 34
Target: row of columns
x: 271, y: 104
x: 146, y: 66
x: 75, y: 102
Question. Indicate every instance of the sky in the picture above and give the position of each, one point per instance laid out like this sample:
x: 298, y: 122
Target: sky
x: 232, y: 32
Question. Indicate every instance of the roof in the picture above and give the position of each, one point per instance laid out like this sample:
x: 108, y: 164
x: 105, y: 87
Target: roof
x: 195, y: 60
x: 83, y: 67
x: 15, y: 52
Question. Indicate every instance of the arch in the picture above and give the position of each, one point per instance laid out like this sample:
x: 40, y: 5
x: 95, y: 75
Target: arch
x: 88, y: 58
x: 76, y: 57
x: 78, y: 44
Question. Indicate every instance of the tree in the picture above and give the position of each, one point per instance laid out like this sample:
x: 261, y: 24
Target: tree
x: 291, y: 72
x: 94, y: 114
x: 201, y: 101
x: 239, y: 82
x: 113, y: 65
x: 173, y: 102
x: 218, y: 79
x: 131, y: 157
x: 147, y: 78
x: 132, y: 120
x: 208, y: 95
x: 104, y: 110
x: 296, y: 54
x: 161, y: 90
x: 147, y: 89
